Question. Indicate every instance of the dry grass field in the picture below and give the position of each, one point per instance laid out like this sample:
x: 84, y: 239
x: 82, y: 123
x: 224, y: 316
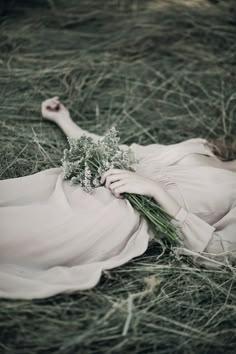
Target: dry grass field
x: 161, y: 71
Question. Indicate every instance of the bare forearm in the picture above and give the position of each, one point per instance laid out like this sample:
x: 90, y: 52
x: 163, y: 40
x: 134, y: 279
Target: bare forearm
x: 165, y: 200
x: 53, y: 110
x: 72, y: 130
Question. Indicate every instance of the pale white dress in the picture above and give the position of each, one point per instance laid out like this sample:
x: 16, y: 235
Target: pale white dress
x: 56, y: 238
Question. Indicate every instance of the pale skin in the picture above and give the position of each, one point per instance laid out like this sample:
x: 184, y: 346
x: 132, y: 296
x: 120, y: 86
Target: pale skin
x: 119, y: 181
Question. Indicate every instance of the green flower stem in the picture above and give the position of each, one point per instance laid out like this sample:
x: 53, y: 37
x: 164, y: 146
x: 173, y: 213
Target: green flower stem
x: 154, y: 205
x: 146, y: 210
x: 95, y: 165
x: 160, y: 221
x: 154, y: 208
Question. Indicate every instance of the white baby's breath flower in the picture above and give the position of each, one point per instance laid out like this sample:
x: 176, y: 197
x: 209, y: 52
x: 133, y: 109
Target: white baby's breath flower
x: 86, y: 160
x: 107, y: 165
x: 96, y: 182
x: 87, y: 172
x: 101, y: 170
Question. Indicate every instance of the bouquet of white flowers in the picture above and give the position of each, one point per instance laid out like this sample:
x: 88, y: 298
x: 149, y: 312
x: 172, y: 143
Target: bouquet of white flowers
x: 85, y: 162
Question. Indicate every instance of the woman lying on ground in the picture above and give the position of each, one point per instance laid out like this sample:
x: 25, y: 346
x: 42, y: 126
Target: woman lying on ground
x: 56, y: 238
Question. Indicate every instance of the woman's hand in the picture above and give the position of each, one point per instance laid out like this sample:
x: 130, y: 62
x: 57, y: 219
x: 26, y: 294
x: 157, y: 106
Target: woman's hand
x: 122, y: 181
x: 52, y: 109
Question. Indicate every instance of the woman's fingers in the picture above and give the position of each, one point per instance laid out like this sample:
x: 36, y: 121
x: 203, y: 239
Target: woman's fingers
x: 115, y: 185
x: 53, y: 105
x: 119, y: 190
x: 113, y: 172
x: 55, y: 100
x: 51, y: 108
x: 50, y: 101
x: 114, y: 188
x: 114, y: 178
x: 110, y: 179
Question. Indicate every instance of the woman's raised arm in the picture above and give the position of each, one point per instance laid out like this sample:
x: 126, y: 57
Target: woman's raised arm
x: 53, y: 110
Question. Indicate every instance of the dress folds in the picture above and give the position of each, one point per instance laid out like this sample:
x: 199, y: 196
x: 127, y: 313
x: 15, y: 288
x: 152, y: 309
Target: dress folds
x: 56, y: 238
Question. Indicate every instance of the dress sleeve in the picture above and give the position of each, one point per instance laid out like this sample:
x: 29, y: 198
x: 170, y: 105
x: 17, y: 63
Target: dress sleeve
x: 210, y: 245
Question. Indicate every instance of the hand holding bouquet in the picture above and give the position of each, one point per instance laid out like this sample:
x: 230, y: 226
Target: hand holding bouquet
x: 90, y: 164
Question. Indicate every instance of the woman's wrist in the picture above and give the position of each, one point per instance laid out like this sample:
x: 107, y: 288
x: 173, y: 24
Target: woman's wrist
x: 64, y: 119
x: 165, y: 200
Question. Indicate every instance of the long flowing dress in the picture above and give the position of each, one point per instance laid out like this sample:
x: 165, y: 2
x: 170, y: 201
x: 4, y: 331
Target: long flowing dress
x: 56, y: 238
